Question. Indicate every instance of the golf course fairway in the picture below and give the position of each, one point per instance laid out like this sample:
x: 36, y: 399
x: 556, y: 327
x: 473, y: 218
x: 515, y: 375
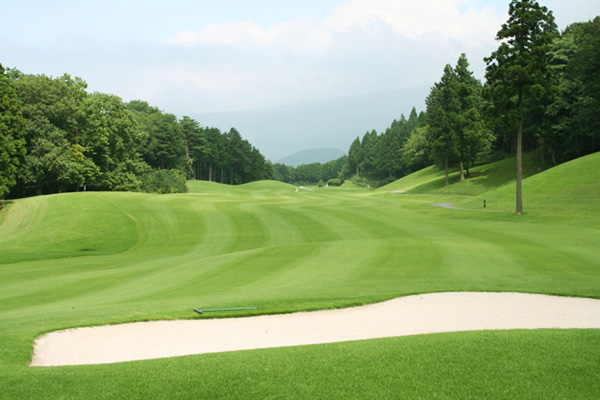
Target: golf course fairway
x: 93, y: 258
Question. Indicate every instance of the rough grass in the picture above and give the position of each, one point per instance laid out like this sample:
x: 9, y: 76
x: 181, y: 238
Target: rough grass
x: 96, y: 258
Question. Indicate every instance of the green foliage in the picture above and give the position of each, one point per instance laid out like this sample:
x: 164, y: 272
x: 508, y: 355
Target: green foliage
x: 415, y: 152
x: 474, y: 138
x: 165, y: 181
x: 355, y: 156
x: 357, y: 181
x: 306, y: 174
x: 75, y: 141
x: 380, y: 157
x: 52, y: 163
x: 575, y: 59
x: 443, y: 107
x: 519, y: 68
x: 335, y: 182
x: 12, y: 124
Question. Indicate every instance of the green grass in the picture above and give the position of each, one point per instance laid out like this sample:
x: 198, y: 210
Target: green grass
x: 482, y: 178
x: 474, y: 365
x: 95, y: 258
x: 571, y: 190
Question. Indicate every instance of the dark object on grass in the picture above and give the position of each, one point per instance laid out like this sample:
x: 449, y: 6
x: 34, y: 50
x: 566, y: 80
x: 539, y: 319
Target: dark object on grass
x: 224, y: 309
x: 484, y: 204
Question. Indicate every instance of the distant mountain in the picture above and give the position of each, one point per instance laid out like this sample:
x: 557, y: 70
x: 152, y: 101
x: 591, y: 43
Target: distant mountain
x: 312, y: 156
x: 319, y: 123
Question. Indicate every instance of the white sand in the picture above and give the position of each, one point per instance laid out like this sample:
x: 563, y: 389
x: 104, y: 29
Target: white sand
x: 412, y: 315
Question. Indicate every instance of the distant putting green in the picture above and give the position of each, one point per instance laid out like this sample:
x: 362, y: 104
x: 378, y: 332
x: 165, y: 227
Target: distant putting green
x: 84, y: 259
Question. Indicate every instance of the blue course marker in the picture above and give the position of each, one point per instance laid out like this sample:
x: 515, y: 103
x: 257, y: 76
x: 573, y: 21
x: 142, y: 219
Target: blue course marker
x: 224, y: 309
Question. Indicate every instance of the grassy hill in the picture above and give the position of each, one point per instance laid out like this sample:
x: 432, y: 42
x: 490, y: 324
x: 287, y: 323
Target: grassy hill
x: 84, y: 259
x: 571, y: 190
x: 311, y: 156
x: 482, y: 178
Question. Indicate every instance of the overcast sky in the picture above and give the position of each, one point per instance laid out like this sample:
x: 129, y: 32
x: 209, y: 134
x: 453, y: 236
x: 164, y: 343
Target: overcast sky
x: 189, y: 57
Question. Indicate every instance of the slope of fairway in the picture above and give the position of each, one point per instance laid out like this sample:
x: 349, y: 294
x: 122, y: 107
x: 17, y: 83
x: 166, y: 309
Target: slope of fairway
x: 85, y: 259
x: 261, y: 186
x: 68, y: 225
x: 482, y: 178
x: 570, y: 190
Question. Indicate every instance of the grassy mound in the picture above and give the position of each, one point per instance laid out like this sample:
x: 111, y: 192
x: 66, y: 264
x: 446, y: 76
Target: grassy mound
x: 68, y: 225
x: 570, y: 190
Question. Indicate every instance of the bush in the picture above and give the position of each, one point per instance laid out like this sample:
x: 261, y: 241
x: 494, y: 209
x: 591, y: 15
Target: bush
x: 335, y: 182
x: 165, y: 181
x: 357, y: 181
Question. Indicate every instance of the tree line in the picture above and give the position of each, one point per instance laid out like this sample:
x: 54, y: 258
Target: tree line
x: 57, y: 137
x: 541, y: 92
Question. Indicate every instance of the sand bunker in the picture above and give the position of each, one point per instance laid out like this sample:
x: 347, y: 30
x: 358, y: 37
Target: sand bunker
x: 411, y: 315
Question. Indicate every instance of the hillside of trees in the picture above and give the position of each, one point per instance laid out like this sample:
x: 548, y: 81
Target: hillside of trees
x: 467, y: 121
x: 57, y: 137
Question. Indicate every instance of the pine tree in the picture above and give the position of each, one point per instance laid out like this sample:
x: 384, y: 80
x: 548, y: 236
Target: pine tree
x: 519, y: 69
x: 443, y: 106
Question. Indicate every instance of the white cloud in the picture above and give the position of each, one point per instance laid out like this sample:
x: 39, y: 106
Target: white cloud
x: 408, y: 18
x: 415, y: 19
x: 301, y: 35
x: 362, y: 46
x: 230, y: 33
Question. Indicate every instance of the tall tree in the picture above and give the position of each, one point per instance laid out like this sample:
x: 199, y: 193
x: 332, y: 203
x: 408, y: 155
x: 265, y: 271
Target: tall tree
x: 355, y: 156
x: 443, y: 107
x: 55, y: 134
x: 473, y: 137
x: 191, y: 131
x: 369, y: 153
x: 519, y: 69
x: 585, y: 67
x: 415, y: 152
x: 12, y: 124
x: 113, y: 140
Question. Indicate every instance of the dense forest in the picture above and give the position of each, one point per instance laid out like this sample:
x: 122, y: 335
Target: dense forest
x: 467, y: 122
x: 541, y: 92
x: 57, y: 137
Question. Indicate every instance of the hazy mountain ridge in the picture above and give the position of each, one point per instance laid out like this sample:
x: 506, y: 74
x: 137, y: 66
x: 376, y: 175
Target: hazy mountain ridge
x: 311, y: 156
x: 319, y: 123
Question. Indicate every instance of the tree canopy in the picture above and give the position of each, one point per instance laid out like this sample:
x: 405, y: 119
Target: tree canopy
x: 58, y: 137
x: 11, y: 133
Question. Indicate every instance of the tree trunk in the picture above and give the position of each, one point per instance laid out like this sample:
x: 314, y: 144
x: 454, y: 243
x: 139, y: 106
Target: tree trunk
x: 543, y: 158
x: 210, y: 173
x: 462, y: 172
x: 519, y: 209
x: 446, y: 168
x: 357, y: 172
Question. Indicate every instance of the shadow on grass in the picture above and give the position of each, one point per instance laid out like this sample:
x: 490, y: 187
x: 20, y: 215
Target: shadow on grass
x: 481, y: 178
x: 5, y: 203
